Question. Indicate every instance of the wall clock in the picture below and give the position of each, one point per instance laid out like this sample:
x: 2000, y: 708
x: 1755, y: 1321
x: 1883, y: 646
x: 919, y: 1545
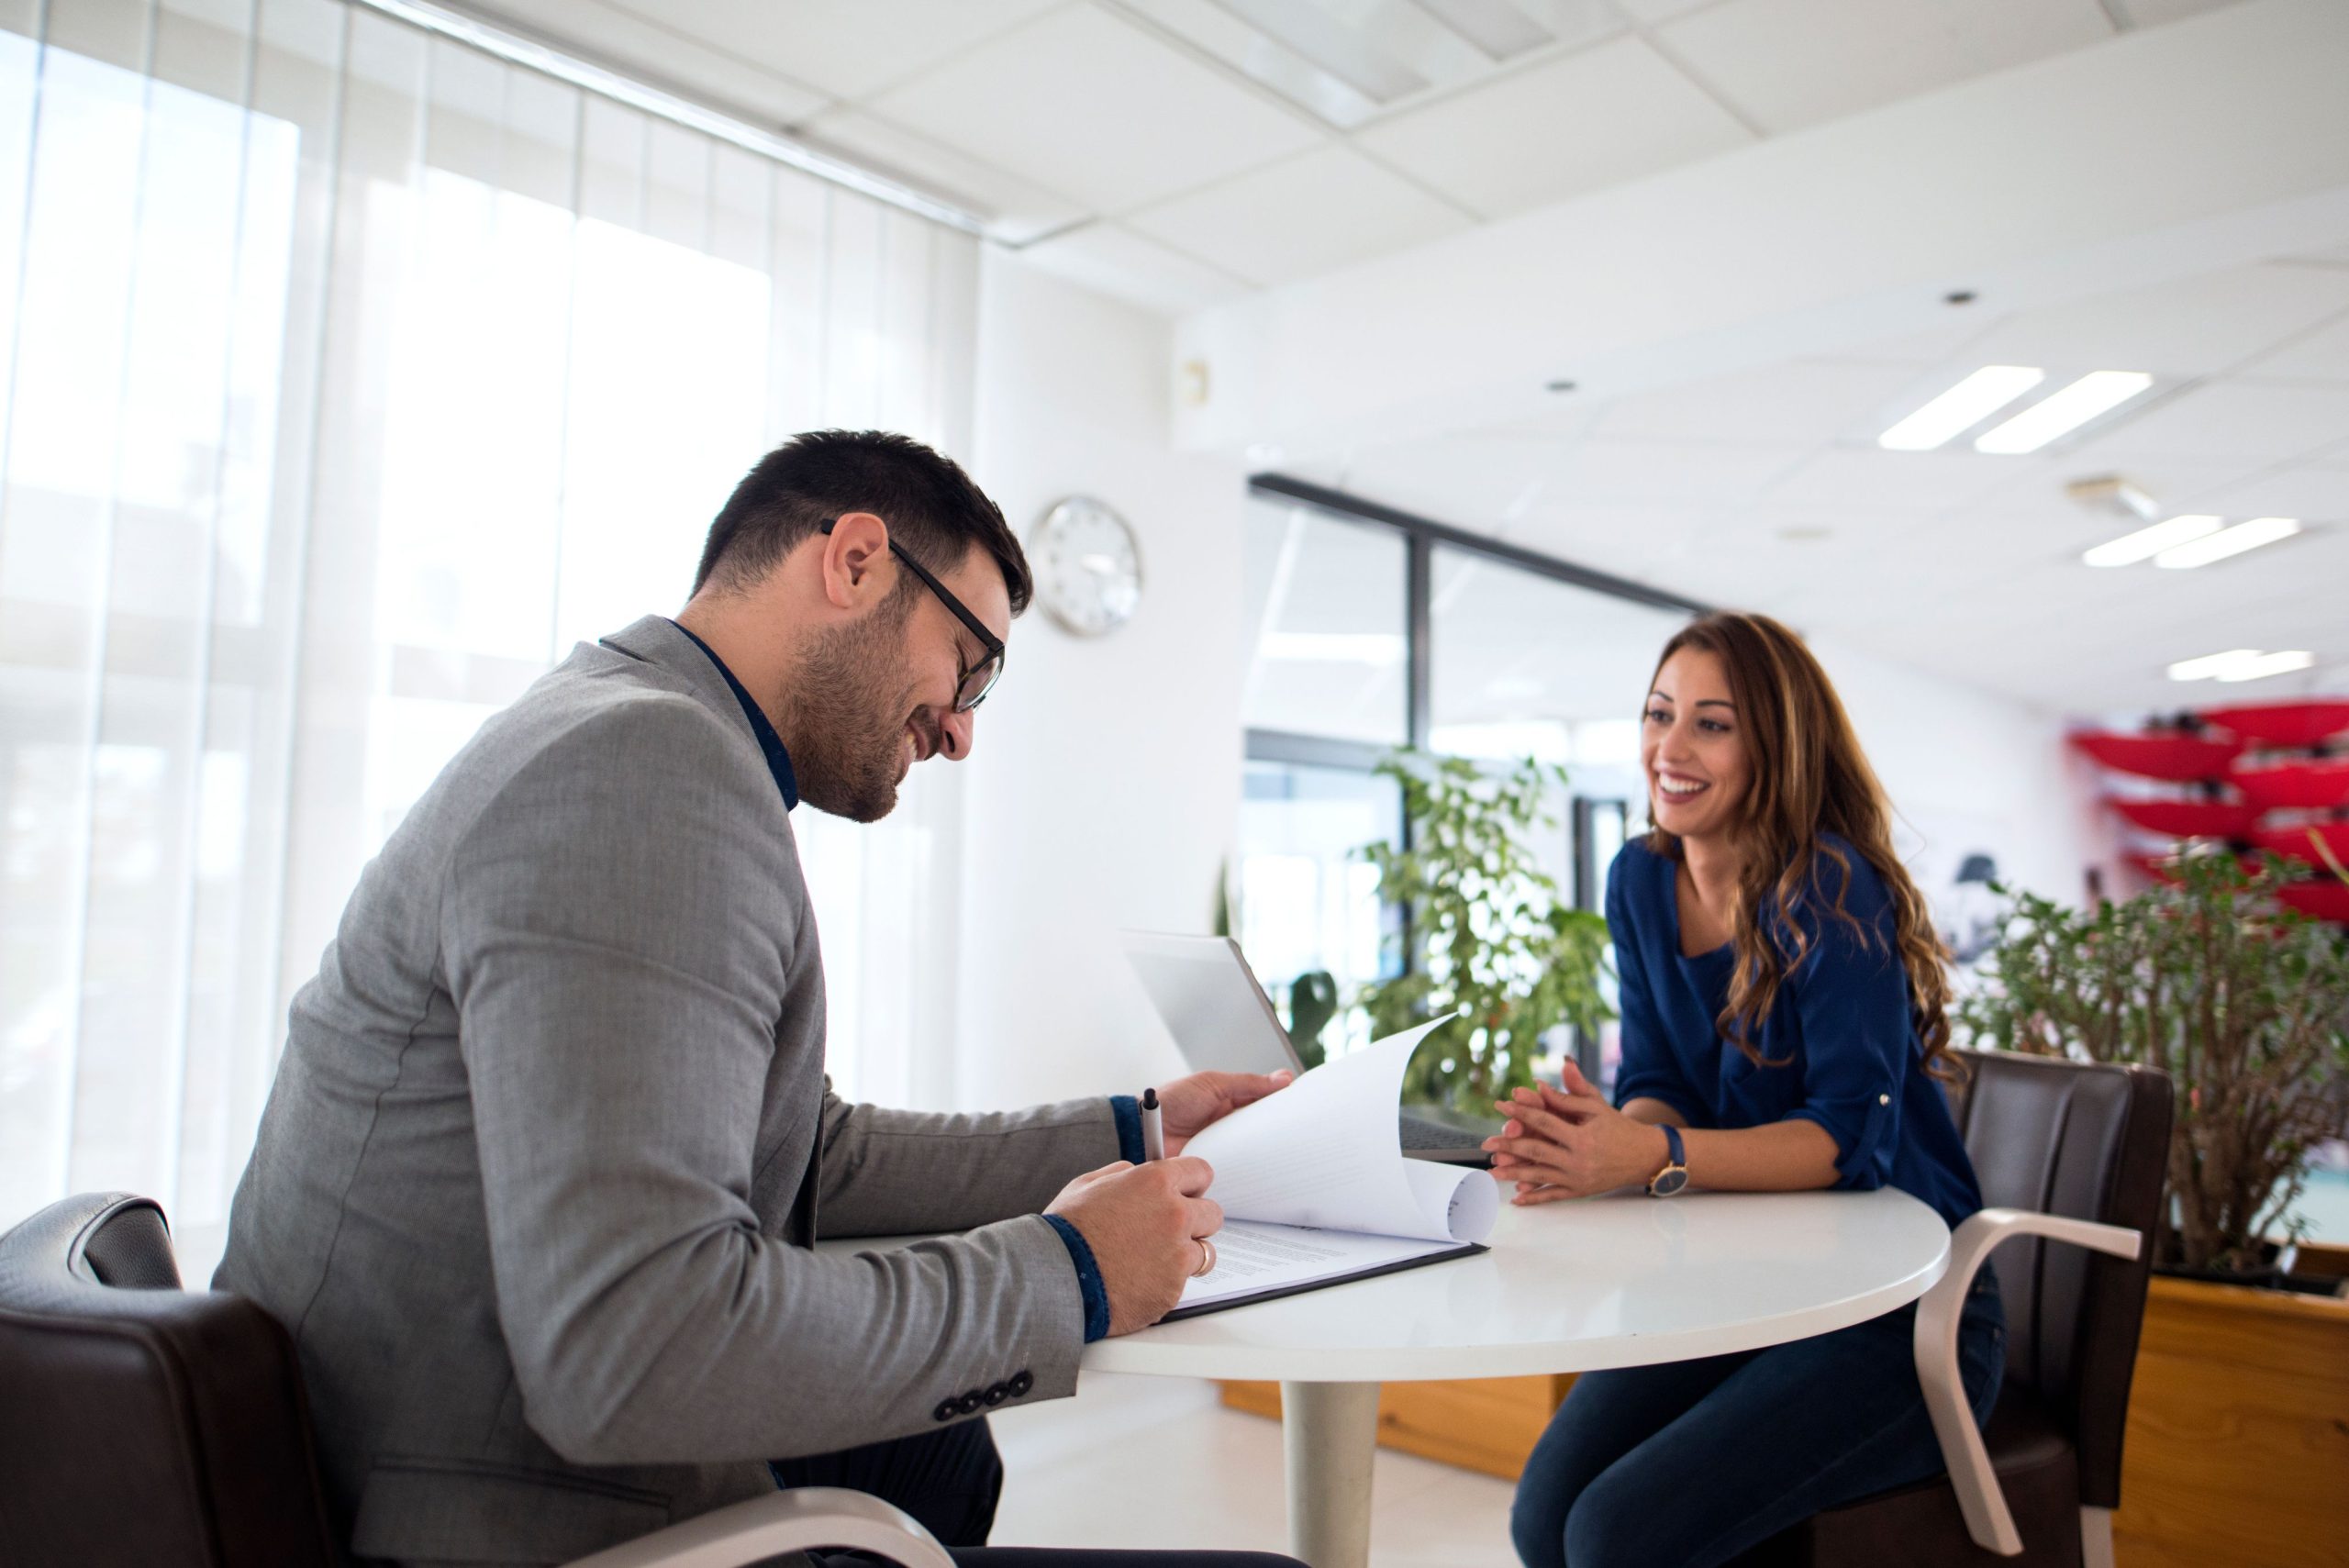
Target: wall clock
x: 1088, y: 566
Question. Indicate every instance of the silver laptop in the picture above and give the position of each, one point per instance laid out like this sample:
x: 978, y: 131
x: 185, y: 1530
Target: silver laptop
x: 1223, y: 1022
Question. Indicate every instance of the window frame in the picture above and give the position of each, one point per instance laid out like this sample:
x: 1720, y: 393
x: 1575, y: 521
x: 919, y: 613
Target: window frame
x: 1422, y: 535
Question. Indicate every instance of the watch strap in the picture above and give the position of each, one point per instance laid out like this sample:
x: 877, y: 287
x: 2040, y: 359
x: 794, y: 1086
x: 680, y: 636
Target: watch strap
x: 1675, y: 1158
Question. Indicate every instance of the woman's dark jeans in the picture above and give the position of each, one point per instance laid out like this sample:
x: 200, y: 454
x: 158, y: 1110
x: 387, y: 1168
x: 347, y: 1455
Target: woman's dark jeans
x: 1689, y: 1463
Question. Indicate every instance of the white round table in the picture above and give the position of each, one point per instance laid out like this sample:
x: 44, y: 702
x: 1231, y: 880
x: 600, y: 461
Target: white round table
x: 1624, y: 1280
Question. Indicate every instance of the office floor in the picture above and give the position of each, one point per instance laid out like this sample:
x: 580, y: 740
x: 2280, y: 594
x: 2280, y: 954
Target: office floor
x: 1144, y: 1461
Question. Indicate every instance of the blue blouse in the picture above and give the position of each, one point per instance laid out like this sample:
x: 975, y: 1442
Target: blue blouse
x: 1840, y: 1023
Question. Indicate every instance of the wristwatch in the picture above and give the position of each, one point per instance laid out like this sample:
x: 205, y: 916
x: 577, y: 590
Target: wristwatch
x: 1675, y: 1175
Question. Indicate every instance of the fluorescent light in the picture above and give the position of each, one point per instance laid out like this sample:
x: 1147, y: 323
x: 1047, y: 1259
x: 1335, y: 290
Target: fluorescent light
x: 2146, y: 544
x: 1374, y: 648
x: 2210, y: 664
x: 1961, y: 408
x: 2228, y: 541
x: 2064, y: 411
x: 2241, y: 665
x: 2267, y: 664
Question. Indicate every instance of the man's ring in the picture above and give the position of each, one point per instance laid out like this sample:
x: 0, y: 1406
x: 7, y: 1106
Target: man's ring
x: 1207, y: 1259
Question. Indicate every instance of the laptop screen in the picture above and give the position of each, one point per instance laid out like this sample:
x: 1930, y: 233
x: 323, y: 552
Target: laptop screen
x: 1204, y: 990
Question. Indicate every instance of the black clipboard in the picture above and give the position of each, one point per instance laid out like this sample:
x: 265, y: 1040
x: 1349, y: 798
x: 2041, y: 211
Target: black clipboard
x: 1273, y: 1293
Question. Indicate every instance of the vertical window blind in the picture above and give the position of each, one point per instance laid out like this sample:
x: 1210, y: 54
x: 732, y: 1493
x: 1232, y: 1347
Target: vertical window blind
x: 353, y: 375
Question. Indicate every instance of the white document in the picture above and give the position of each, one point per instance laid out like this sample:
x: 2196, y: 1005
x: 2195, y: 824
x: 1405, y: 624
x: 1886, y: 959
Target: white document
x: 1315, y: 1187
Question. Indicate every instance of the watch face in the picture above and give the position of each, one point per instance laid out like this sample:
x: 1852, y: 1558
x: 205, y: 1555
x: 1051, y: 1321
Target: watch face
x: 1088, y: 571
x: 1669, y: 1181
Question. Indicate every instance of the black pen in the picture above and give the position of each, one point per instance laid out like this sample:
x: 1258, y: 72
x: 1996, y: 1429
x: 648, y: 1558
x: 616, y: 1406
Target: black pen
x: 1153, y: 1139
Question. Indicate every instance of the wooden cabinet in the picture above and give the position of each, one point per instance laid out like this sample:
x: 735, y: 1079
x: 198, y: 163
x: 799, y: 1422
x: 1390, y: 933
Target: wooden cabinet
x: 2238, y: 1448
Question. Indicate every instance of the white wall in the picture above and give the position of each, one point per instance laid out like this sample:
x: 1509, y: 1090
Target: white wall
x: 1968, y: 771
x: 1104, y: 789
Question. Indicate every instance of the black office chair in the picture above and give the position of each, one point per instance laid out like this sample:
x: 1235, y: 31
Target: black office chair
x: 148, y: 1424
x: 2066, y: 1151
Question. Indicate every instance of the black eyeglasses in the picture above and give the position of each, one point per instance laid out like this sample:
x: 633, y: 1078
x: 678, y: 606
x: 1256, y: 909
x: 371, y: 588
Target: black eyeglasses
x: 970, y: 688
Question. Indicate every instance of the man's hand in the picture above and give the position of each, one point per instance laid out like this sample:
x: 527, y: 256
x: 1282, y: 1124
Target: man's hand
x: 1570, y: 1143
x: 1188, y: 1105
x: 1144, y: 1224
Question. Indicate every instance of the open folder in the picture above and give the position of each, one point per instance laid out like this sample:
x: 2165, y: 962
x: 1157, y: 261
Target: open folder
x: 1314, y: 1188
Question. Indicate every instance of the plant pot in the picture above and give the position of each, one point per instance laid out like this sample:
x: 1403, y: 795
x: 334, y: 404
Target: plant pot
x: 2275, y: 1267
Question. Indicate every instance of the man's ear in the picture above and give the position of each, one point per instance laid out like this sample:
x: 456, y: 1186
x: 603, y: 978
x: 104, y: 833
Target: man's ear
x: 856, y: 553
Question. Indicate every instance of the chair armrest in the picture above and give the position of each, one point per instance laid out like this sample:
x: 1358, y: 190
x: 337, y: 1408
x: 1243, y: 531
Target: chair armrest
x: 800, y: 1519
x: 1987, y: 1520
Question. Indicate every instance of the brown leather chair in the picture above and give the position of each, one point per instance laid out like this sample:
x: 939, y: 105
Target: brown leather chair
x: 140, y: 1423
x: 2069, y: 1151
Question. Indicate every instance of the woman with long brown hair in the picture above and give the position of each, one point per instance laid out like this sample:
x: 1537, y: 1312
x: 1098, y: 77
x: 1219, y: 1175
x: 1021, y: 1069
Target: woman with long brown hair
x: 1784, y: 1026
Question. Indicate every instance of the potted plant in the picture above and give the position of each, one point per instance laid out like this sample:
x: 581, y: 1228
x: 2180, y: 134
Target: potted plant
x: 1492, y: 938
x: 2244, y: 1003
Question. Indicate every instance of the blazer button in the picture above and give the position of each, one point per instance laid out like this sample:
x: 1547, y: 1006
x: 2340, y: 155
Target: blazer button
x: 947, y: 1409
x: 970, y: 1402
x: 997, y: 1393
x: 1020, y: 1384
x: 1883, y: 1099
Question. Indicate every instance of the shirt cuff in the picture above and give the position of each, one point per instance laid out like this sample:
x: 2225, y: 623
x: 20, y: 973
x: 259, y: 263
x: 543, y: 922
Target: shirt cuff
x: 1127, y: 1110
x: 1088, y: 1278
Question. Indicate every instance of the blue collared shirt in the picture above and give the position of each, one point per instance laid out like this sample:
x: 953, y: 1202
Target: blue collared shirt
x: 1126, y: 1108
x: 1841, y: 1036
x: 770, y: 743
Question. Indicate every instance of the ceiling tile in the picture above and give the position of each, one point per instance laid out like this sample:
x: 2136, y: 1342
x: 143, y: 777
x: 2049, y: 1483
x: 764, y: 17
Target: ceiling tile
x: 1305, y: 215
x: 2312, y: 495
x: 2241, y: 420
x: 1807, y: 402
x: 1657, y: 545
x: 2153, y: 13
x: 1646, y: 12
x: 1666, y: 473
x: 1790, y: 63
x: 1485, y: 481
x: 1114, y: 260
x: 1605, y: 114
x: 2192, y: 326
x: 654, y: 52
x: 1083, y: 103
x: 2321, y: 354
x: 1961, y: 327
x: 1870, y: 479
x: 1014, y: 211
x: 846, y: 47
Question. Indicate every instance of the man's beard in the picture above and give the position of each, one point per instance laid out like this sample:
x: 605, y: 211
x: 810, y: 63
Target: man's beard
x: 848, y: 709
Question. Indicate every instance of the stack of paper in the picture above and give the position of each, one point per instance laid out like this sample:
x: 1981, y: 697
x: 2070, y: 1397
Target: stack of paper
x: 1314, y: 1188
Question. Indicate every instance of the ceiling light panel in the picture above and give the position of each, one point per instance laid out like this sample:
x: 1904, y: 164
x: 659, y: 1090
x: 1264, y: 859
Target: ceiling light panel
x: 2148, y: 542
x: 1208, y: 26
x: 1496, y: 27
x: 1961, y: 408
x: 1347, y: 61
x: 2260, y: 666
x: 2064, y: 411
x: 2208, y: 666
x: 2227, y: 542
x: 1329, y: 42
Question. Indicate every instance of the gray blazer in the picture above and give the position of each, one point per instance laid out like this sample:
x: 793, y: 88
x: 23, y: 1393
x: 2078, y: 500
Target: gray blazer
x: 552, y: 1135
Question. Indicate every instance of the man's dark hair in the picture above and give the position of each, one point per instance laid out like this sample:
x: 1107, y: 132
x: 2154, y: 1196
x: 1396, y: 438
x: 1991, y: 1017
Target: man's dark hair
x: 934, y: 512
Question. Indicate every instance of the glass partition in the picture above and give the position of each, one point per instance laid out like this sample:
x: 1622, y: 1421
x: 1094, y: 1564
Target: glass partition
x: 1324, y: 618
x: 1303, y: 899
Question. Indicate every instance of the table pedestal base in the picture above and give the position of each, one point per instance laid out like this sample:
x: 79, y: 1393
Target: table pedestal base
x: 1330, y: 1431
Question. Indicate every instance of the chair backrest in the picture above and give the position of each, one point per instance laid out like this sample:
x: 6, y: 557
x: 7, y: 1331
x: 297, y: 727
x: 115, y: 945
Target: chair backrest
x: 144, y: 1423
x: 2090, y: 1142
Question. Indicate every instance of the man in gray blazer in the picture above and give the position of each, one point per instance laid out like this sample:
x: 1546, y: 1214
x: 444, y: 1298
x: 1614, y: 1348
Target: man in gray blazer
x: 552, y: 1136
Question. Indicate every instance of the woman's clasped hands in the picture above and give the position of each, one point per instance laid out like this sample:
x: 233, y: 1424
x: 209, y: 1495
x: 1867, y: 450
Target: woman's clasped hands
x: 1569, y: 1142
